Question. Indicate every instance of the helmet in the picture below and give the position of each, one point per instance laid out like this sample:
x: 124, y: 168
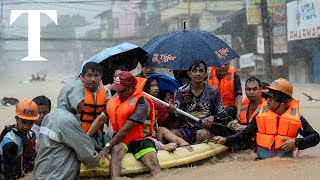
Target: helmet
x: 27, y: 110
x: 282, y: 85
x: 280, y: 89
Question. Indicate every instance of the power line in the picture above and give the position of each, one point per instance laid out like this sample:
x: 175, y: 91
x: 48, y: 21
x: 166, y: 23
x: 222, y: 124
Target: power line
x: 69, y: 2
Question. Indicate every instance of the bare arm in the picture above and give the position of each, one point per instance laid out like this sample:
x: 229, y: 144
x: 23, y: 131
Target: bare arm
x: 97, y: 123
x: 122, y: 133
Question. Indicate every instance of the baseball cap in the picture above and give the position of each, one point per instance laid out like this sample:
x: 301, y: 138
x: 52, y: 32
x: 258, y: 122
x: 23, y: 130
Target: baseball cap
x: 122, y: 81
x: 27, y: 109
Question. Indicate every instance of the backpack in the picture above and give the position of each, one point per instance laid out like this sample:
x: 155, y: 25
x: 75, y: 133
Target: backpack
x: 29, y: 152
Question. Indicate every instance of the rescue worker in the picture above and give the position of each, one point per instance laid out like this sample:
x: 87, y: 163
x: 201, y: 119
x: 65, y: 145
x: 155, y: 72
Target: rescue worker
x: 44, y: 107
x: 64, y: 145
x: 204, y: 102
x: 251, y: 105
x: 132, y: 118
x: 17, y: 147
x: 277, y: 125
x: 227, y: 81
x: 96, y: 97
x: 250, y: 108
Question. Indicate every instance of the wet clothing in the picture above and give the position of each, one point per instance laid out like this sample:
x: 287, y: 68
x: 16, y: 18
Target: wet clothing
x: 246, y: 116
x: 138, y: 108
x: 162, y: 113
x: 17, y: 153
x: 35, y: 128
x: 140, y: 115
x: 272, y: 128
x: 224, y: 86
x: 247, y: 113
x: 140, y: 148
x: 207, y: 104
x: 64, y: 145
x: 94, y: 104
x: 310, y: 136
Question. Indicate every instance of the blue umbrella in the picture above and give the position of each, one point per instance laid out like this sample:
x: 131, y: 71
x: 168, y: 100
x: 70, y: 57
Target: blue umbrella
x: 179, y: 49
x: 125, y: 54
x: 166, y: 82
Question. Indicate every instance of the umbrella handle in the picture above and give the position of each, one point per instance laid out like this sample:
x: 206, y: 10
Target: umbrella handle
x: 177, y: 109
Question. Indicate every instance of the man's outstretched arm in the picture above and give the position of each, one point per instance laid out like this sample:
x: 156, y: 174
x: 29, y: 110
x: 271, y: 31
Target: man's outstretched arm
x: 97, y: 123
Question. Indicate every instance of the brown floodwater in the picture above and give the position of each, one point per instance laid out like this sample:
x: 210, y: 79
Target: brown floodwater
x: 239, y: 166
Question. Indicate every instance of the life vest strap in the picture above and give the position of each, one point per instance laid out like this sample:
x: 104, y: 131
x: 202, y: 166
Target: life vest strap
x: 86, y: 121
x: 90, y: 113
x: 95, y: 105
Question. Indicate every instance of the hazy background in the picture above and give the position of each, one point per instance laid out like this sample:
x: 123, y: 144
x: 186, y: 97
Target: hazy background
x: 86, y: 27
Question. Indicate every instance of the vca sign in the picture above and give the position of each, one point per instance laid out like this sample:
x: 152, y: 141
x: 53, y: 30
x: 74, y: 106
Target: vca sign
x: 33, y: 30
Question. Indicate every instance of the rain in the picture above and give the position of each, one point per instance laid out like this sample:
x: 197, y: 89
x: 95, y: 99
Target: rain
x: 272, y: 38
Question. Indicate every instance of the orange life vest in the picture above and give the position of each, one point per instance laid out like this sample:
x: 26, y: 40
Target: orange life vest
x: 119, y: 112
x: 272, y: 128
x: 244, y: 109
x: 93, y: 107
x: 225, y: 86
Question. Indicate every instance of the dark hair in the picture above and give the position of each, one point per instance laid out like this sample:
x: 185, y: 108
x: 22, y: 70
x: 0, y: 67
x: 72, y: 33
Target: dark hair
x: 120, y: 67
x: 163, y: 94
x: 252, y: 79
x: 278, y: 95
x: 95, y: 67
x: 42, y: 100
x: 147, y: 86
x: 264, y: 85
x: 197, y: 63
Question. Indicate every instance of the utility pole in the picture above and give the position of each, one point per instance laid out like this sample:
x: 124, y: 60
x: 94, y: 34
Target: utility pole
x: 266, y: 29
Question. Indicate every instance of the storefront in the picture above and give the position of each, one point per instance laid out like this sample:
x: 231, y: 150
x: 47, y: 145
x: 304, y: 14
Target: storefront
x: 303, y: 31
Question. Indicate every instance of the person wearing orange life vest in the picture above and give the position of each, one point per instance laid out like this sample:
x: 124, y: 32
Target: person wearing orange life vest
x: 251, y: 105
x: 227, y: 81
x: 132, y: 118
x: 250, y: 108
x: 277, y: 125
x: 95, y: 100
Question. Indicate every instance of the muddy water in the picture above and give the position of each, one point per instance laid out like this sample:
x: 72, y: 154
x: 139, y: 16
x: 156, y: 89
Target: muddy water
x: 242, y: 166
x: 238, y: 166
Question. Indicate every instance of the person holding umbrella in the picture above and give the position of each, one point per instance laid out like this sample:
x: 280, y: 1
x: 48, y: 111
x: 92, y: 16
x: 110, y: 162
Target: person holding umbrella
x: 202, y: 101
x: 277, y: 125
x: 227, y: 81
x: 146, y: 71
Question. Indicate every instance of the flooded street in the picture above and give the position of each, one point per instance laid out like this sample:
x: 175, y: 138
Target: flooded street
x: 45, y: 43
x: 240, y: 165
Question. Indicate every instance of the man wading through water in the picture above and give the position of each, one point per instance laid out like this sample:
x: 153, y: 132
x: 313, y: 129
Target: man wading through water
x: 277, y: 125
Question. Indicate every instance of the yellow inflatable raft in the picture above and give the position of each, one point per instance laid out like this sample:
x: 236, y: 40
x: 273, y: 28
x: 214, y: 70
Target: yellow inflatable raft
x: 179, y: 157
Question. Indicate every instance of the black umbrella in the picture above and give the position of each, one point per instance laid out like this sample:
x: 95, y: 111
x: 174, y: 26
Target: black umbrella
x: 126, y: 54
x: 179, y: 49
